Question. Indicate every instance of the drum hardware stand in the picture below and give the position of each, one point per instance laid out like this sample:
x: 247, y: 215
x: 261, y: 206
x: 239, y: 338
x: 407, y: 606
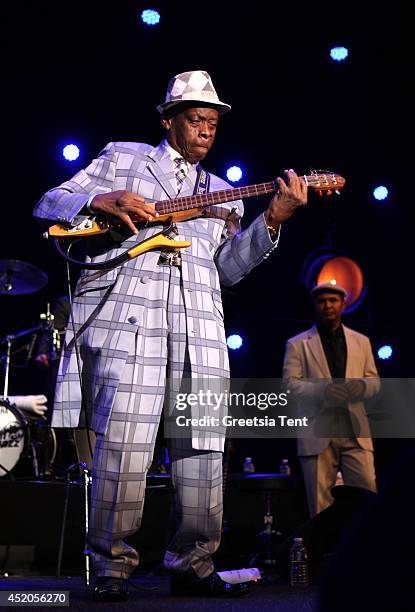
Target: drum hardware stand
x: 9, y: 341
x: 268, y: 531
x: 46, y: 324
x: 55, y: 341
x: 35, y: 463
x: 63, y: 528
x: 86, y: 483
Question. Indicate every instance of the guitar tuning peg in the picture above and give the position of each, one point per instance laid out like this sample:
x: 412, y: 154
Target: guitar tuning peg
x: 329, y: 192
x: 337, y: 192
x: 320, y: 193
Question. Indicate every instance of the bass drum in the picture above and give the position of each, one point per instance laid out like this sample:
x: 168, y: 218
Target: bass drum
x: 27, y: 443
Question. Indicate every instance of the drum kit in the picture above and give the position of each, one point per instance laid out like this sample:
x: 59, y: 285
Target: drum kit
x: 27, y: 441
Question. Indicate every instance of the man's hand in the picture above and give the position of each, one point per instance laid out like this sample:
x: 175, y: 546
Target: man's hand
x: 336, y: 394
x: 127, y: 206
x: 31, y: 403
x: 287, y: 199
x: 356, y: 389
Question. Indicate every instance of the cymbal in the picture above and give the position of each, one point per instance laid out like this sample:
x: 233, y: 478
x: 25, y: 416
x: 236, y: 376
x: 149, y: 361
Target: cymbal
x: 19, y: 277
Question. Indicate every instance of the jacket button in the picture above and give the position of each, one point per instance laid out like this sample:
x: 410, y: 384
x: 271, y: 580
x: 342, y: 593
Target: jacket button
x: 145, y: 279
x: 132, y: 320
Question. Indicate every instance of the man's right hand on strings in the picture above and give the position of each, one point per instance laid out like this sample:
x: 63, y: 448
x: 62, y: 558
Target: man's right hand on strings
x: 128, y: 207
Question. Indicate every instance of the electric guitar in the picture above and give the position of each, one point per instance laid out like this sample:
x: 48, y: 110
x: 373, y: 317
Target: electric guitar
x: 181, y: 209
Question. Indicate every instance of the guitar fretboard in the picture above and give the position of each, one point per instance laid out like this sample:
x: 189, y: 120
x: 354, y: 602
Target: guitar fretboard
x: 214, y: 197
x: 321, y: 182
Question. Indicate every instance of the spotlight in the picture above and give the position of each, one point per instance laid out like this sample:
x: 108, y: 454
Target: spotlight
x: 345, y: 272
x: 385, y: 352
x: 339, y: 54
x: 150, y: 17
x: 380, y: 193
x: 70, y: 152
x: 234, y: 174
x: 234, y: 341
x: 329, y: 266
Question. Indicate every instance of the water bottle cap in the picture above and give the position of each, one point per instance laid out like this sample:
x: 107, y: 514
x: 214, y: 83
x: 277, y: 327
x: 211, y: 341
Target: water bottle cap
x: 248, y: 458
x: 298, y: 540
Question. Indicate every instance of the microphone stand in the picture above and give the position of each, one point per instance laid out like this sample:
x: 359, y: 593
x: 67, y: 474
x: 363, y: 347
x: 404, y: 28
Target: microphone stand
x: 9, y: 341
x: 54, y: 338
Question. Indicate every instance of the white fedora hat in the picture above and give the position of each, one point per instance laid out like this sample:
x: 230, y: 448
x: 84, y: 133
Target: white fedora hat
x: 328, y: 288
x: 193, y: 86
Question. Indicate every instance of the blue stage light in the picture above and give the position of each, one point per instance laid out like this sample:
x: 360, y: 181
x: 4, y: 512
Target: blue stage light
x: 385, y: 352
x: 234, y: 341
x: 234, y: 174
x: 338, y: 54
x: 380, y: 193
x: 70, y: 152
x: 150, y: 17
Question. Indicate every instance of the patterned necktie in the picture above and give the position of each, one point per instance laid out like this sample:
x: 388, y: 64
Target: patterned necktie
x: 180, y: 172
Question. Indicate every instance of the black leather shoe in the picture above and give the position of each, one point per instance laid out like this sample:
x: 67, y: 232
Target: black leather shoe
x: 212, y: 586
x: 110, y: 589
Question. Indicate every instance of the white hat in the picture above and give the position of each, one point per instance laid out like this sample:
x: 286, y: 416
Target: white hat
x: 328, y: 287
x: 193, y: 86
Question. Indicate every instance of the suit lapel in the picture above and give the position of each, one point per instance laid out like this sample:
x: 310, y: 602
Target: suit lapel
x: 161, y: 169
x: 352, y: 349
x: 317, y: 351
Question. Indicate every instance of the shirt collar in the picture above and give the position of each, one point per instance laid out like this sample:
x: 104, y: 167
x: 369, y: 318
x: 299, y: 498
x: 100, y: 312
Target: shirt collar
x: 173, y: 154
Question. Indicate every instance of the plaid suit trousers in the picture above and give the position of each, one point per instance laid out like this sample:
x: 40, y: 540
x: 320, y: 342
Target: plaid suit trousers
x: 123, y: 455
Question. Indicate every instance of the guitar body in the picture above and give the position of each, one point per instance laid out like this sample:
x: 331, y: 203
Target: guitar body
x: 89, y: 228
x: 93, y: 227
x: 181, y: 215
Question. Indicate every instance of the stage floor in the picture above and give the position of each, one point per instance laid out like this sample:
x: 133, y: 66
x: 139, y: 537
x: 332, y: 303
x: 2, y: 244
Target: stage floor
x: 151, y: 593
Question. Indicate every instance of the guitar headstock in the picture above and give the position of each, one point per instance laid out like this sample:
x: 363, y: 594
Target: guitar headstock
x: 324, y: 181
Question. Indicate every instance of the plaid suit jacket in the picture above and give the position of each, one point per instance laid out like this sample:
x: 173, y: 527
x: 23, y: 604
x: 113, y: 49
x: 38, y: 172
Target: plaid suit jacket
x: 220, y: 252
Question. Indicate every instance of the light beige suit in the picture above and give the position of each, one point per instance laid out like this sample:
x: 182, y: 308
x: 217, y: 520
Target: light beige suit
x: 307, y: 374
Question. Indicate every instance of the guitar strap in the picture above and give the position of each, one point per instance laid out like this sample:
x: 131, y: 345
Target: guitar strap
x: 202, y: 183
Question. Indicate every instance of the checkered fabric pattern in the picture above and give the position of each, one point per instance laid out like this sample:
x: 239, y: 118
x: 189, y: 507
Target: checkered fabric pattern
x: 180, y: 171
x: 195, y: 85
x: 185, y: 85
x: 123, y: 455
x: 109, y: 305
x: 137, y: 326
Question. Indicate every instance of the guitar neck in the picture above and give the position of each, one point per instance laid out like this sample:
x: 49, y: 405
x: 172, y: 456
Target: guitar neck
x: 318, y: 180
x: 214, y: 197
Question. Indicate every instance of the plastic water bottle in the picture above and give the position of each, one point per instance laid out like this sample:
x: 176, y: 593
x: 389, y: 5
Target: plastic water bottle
x: 285, y: 467
x: 248, y: 467
x: 299, y: 564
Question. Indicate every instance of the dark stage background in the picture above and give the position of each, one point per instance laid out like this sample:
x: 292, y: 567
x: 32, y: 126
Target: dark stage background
x: 91, y: 72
